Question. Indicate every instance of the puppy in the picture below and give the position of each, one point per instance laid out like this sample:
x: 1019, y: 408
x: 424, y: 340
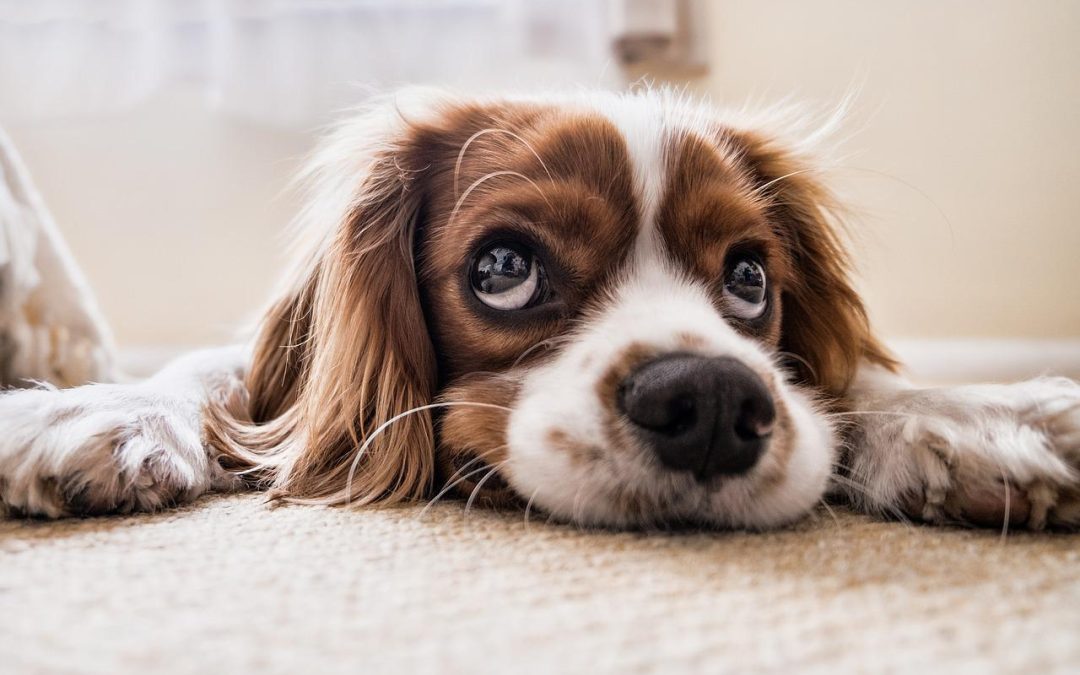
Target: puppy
x: 625, y: 310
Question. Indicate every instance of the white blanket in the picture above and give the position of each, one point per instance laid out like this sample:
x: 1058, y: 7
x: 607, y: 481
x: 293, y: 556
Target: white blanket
x: 51, y: 329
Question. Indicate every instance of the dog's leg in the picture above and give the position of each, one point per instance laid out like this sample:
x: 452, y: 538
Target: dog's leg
x: 105, y: 448
x: 981, y: 454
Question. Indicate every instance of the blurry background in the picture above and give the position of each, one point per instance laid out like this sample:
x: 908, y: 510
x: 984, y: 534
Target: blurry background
x: 163, y: 134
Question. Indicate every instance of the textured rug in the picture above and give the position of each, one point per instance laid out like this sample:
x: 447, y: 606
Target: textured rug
x: 231, y: 585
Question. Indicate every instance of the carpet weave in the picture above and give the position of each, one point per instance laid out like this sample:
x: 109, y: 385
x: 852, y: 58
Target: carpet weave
x: 232, y: 585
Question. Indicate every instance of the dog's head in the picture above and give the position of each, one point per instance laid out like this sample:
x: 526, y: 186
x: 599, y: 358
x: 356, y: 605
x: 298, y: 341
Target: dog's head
x: 616, y: 308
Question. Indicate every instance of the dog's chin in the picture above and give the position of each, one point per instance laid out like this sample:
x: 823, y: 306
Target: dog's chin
x: 623, y: 486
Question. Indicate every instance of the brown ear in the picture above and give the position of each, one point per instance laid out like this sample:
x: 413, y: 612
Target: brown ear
x: 344, y: 350
x: 824, y: 322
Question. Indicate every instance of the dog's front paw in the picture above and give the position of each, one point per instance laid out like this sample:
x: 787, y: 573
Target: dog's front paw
x: 100, y: 449
x: 985, y: 454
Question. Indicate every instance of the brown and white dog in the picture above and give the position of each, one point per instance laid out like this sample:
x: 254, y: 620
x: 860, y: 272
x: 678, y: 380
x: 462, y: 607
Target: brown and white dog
x: 622, y: 310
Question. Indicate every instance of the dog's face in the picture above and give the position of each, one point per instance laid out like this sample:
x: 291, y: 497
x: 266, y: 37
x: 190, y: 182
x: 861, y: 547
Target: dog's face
x: 611, y: 300
x: 615, y: 279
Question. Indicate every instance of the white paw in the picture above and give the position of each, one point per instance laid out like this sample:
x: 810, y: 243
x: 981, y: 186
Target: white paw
x: 101, y: 449
x: 982, y: 454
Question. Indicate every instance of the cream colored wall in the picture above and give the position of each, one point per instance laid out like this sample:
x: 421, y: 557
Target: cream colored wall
x: 969, y: 106
x: 173, y: 212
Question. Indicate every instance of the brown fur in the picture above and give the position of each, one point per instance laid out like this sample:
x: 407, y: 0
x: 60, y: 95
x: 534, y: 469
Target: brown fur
x: 580, y: 212
x: 824, y: 320
x: 341, y: 354
x: 473, y: 438
x: 379, y: 321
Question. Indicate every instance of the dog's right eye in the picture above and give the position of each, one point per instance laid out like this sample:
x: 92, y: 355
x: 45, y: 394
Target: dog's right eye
x: 507, y: 277
x: 744, y: 289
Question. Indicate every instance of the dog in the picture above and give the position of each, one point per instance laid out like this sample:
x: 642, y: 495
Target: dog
x: 622, y: 310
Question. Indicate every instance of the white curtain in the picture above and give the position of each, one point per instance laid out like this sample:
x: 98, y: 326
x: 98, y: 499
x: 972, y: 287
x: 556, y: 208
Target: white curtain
x: 291, y: 62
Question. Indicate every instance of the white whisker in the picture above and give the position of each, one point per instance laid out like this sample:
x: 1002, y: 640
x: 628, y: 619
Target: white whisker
x: 828, y: 509
x: 796, y: 357
x: 863, y: 490
x: 855, y: 413
x: 765, y: 186
x: 448, y: 486
x: 386, y: 425
x: 528, y: 506
x: 480, y: 484
x: 480, y: 181
x: 543, y: 343
x: 478, y: 134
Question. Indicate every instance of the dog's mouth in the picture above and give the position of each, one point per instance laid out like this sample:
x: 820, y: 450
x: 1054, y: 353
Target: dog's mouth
x: 691, y: 441
x: 635, y: 480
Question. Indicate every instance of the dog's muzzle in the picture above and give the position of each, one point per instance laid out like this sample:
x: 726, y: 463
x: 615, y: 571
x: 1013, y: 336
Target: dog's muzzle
x: 708, y: 416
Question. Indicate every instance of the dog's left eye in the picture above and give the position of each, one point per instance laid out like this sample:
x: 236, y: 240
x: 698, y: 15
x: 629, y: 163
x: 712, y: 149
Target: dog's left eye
x: 507, y: 277
x: 744, y: 288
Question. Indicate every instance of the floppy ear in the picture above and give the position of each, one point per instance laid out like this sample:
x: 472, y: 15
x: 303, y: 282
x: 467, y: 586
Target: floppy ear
x: 344, y: 350
x: 824, y: 322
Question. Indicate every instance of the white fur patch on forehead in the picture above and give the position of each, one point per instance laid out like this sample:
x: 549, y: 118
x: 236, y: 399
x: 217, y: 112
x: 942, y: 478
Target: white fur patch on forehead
x: 650, y: 123
x: 654, y: 304
x: 645, y: 131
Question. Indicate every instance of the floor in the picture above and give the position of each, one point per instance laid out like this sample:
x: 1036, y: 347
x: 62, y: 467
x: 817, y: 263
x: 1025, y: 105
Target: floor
x: 233, y: 585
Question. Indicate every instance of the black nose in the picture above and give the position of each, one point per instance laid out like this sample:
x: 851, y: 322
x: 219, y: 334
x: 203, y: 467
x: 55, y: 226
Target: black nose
x: 709, y: 416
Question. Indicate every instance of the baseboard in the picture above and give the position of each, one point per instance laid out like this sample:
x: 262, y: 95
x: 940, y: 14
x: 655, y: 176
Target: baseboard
x: 987, y: 360
x: 143, y: 360
x: 926, y: 360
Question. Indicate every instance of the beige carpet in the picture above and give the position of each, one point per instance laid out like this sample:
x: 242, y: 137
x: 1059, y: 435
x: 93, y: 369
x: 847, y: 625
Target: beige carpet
x: 230, y: 585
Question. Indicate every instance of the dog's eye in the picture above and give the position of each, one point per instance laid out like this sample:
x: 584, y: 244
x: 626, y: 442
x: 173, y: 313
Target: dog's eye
x: 507, y: 277
x: 744, y: 289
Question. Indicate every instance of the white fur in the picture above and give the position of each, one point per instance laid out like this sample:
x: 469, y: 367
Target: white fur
x: 653, y: 306
x: 115, y: 447
x: 942, y: 447
x: 645, y: 129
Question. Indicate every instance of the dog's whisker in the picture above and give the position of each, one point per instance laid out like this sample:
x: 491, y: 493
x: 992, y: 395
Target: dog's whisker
x: 909, y: 185
x: 448, y: 488
x: 575, y: 506
x: 480, y: 484
x: 493, y: 130
x: 837, y: 464
x: 1006, y: 516
x: 851, y: 481
x: 796, y: 357
x: 454, y: 480
x: 528, y: 506
x: 396, y: 418
x: 856, y: 413
x: 865, y: 491
x: 761, y: 189
x: 541, y: 344
x: 457, y: 478
x: 828, y: 509
x: 1008, y: 503
x: 480, y: 181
